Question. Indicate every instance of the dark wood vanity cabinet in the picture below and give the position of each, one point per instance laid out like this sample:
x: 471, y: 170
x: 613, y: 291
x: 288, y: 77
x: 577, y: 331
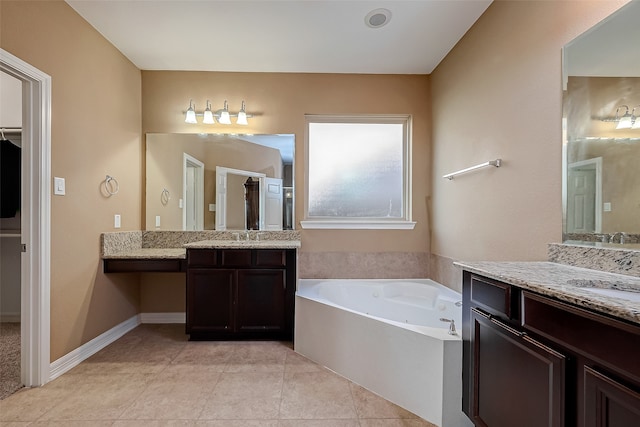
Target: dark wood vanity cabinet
x: 240, y: 293
x: 511, y: 379
x: 530, y: 360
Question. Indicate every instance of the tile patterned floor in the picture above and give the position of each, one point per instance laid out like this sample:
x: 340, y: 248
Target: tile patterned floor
x: 153, y: 376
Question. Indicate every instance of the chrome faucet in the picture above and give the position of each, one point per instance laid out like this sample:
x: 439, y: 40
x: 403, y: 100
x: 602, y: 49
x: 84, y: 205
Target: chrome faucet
x: 622, y: 236
x: 452, y: 325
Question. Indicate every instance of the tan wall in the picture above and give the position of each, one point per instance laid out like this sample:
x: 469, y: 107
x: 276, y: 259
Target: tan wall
x: 280, y: 102
x: 95, y: 131
x: 498, y: 94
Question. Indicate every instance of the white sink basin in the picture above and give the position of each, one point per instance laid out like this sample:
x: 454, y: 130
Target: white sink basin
x: 615, y: 293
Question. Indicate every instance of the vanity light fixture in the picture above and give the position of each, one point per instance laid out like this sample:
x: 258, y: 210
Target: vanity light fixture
x: 624, y: 122
x: 191, y: 114
x: 222, y: 116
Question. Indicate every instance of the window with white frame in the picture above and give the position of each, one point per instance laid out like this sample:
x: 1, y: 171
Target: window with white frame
x: 358, y: 172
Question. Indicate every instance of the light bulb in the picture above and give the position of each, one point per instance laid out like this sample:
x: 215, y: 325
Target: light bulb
x: 191, y: 114
x: 208, y: 115
x: 225, y: 119
x: 625, y: 122
x: 242, y: 116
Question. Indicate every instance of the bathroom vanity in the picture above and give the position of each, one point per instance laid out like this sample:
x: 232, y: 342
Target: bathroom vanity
x: 236, y: 288
x: 547, y: 345
x: 238, y: 293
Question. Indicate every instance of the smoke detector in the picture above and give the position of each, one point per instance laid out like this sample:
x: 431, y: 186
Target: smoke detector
x: 377, y: 18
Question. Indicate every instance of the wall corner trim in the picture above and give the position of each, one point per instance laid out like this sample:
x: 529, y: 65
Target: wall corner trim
x: 75, y: 357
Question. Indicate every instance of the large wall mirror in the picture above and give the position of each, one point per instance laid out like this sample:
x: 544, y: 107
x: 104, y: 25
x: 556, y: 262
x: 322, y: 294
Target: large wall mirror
x: 601, y: 131
x: 219, y: 182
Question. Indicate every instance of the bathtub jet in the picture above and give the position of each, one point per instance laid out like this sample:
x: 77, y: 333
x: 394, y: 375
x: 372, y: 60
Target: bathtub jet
x: 387, y: 336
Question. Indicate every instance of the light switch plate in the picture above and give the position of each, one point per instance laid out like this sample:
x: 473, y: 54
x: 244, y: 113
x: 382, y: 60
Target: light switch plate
x: 212, y: 207
x: 607, y: 207
x: 157, y: 220
x: 58, y: 186
x: 116, y: 221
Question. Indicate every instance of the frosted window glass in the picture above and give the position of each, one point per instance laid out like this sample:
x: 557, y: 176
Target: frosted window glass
x: 356, y: 170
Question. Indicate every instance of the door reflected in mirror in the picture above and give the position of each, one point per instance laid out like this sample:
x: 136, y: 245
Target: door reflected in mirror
x: 184, y: 191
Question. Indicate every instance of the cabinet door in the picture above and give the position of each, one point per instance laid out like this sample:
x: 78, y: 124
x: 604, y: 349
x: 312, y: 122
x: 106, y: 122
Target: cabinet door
x: 210, y: 300
x: 517, y: 380
x: 609, y: 403
x: 261, y: 298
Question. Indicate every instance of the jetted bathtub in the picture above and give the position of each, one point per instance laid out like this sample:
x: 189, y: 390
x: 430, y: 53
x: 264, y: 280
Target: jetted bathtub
x: 387, y: 336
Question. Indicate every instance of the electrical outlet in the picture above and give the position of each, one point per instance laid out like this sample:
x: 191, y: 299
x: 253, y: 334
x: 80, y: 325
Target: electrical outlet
x: 157, y: 220
x: 116, y: 221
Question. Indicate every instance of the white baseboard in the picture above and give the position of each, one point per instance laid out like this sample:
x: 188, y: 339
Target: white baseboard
x: 163, y: 317
x: 73, y: 358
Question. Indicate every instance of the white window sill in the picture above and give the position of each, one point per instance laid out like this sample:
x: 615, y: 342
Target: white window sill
x: 336, y: 224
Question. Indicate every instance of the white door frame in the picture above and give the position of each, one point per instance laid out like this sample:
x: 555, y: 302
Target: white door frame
x: 221, y: 198
x: 36, y: 218
x: 594, y: 164
x: 191, y: 162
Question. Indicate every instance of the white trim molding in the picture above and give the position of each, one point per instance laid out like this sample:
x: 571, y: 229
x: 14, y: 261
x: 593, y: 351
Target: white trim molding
x: 86, y: 350
x: 358, y: 225
x: 36, y: 218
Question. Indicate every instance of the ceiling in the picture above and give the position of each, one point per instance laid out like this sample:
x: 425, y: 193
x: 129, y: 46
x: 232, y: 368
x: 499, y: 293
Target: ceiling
x: 301, y: 36
x: 608, y: 49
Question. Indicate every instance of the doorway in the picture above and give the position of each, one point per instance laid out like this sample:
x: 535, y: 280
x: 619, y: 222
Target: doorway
x: 192, y: 193
x: 584, y: 196
x: 35, y: 218
x: 10, y: 233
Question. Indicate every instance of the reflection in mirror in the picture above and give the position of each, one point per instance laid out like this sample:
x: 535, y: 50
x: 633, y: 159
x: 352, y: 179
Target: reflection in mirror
x: 601, y: 173
x: 184, y: 192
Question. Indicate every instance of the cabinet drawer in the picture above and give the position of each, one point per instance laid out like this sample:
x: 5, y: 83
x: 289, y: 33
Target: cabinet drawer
x: 236, y: 258
x: 606, y: 340
x: 270, y: 258
x: 202, y: 257
x: 497, y: 297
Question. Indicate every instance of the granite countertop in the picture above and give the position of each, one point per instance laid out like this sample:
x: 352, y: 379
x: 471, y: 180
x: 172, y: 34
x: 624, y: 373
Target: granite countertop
x: 567, y: 283
x: 249, y: 244
x: 181, y: 253
x: 172, y: 244
x: 149, y: 253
